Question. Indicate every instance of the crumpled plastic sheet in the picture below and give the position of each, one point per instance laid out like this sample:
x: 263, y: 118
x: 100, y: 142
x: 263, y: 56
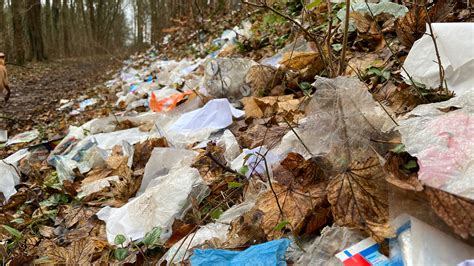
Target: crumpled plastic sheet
x: 299, y: 45
x: 9, y: 177
x: 216, y: 114
x: 418, y: 243
x: 269, y: 253
x: 443, y: 144
x: 23, y: 137
x: 322, y: 249
x: 97, y: 186
x: 385, y: 6
x: 214, y: 231
x: 342, y: 118
x: 163, y: 161
x: 3, y: 135
x: 454, y: 41
x: 255, y: 163
x: 159, y: 206
x: 225, y: 78
x: 230, y: 145
x: 197, y: 125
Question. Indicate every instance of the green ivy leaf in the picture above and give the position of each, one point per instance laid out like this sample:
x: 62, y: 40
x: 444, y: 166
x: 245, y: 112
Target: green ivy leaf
x: 399, y: 148
x: 120, y: 253
x: 313, y: 4
x: 234, y: 184
x: 243, y: 170
x: 12, y: 231
x: 153, y: 237
x: 410, y: 165
x: 215, y: 214
x: 120, y: 239
x: 281, y: 225
x: 374, y: 71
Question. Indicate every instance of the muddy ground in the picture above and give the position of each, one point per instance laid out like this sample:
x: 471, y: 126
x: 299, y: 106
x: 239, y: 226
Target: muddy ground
x: 38, y: 88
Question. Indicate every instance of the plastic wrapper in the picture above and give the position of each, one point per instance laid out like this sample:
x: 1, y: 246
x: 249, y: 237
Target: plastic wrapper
x: 97, y: 186
x: 454, y: 41
x: 225, y: 78
x: 342, y: 118
x: 165, y: 160
x: 3, y: 135
x: 269, y: 253
x: 255, y: 161
x: 442, y: 143
x: 24, y: 137
x: 418, y: 243
x: 230, y: 145
x: 299, y: 45
x: 9, y: 177
x: 322, y: 250
x: 157, y: 207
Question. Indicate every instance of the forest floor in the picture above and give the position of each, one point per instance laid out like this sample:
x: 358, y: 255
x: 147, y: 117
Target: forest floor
x: 38, y: 88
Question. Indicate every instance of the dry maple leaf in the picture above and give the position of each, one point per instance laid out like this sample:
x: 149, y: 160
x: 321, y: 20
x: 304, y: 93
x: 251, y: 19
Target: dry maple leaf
x: 78, y: 253
x: 359, y: 197
x: 455, y: 211
x: 297, y: 205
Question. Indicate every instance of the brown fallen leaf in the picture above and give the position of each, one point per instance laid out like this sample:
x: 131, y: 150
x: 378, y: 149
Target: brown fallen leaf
x: 297, y: 205
x: 297, y: 61
x: 262, y: 79
x: 455, y: 211
x: 358, y: 197
x: 143, y: 150
x: 268, y: 106
x: 72, y: 215
x: 78, y: 253
x: 400, y: 177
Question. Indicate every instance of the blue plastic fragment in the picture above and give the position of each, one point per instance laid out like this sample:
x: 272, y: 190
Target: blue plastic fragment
x: 269, y: 253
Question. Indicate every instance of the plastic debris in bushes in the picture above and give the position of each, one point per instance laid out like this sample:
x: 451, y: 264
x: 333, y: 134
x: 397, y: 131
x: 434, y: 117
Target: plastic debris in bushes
x: 454, y: 41
x: 167, y: 103
x: 364, y: 253
x: 158, y: 206
x: 225, y: 78
x: 269, y: 253
x: 24, y: 137
x: 418, y: 243
x: 443, y: 144
x: 342, y: 119
x: 255, y: 161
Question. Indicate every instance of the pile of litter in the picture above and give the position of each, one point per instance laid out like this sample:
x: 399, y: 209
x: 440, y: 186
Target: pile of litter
x: 223, y: 160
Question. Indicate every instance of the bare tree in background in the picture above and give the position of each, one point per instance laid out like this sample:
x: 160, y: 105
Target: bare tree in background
x: 35, y: 32
x: 18, y: 36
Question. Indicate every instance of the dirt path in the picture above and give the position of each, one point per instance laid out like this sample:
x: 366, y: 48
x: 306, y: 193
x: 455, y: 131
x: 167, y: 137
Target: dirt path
x: 38, y: 88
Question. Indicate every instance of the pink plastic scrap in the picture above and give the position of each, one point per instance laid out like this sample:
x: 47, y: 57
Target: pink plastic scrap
x: 444, y: 147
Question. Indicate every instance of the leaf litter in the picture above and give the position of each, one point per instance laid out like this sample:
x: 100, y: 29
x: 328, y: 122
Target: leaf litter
x: 336, y: 140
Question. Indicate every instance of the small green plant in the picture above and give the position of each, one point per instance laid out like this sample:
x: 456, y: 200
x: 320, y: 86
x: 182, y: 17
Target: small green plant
x: 152, y: 238
x: 383, y: 74
x: 120, y: 253
x: 281, y: 225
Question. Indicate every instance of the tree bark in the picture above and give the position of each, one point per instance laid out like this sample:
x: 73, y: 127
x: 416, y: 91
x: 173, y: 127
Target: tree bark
x: 18, y: 36
x: 35, y: 31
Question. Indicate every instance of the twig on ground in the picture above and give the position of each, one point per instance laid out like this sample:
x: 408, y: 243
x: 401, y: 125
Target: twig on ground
x: 342, y: 63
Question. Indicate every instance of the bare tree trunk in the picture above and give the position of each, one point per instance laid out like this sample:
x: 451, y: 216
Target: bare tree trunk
x: 154, y: 22
x: 56, y: 32
x: 3, y: 27
x: 65, y: 16
x: 35, y: 31
x: 18, y: 36
x: 48, y: 27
